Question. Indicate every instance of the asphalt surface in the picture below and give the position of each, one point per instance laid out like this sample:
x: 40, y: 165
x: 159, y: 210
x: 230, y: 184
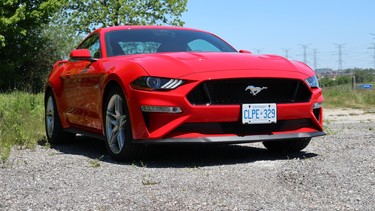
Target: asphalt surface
x: 335, y: 172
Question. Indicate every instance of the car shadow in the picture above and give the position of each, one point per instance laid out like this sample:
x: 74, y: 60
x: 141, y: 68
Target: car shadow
x: 181, y: 156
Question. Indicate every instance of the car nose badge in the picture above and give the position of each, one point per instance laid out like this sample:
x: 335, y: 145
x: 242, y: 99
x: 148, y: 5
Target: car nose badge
x: 255, y: 90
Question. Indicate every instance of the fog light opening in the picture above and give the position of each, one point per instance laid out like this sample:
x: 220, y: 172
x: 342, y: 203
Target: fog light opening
x: 318, y: 105
x: 162, y: 109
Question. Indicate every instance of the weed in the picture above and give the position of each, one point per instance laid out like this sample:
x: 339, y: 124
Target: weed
x: 328, y: 121
x: 147, y: 181
x: 143, y: 164
x: 343, y: 97
x: 54, y: 153
x: 341, y: 115
x: 328, y: 130
x: 21, y: 121
x: 95, y: 163
x: 139, y: 164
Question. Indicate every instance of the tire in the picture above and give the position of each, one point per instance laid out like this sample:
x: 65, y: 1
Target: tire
x: 54, y: 131
x: 117, y: 128
x: 288, y: 146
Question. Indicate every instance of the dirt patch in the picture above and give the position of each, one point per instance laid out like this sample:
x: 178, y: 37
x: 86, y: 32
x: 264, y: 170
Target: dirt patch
x: 349, y: 115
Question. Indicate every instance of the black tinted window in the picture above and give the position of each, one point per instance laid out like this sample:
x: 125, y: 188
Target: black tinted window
x: 139, y: 41
x: 92, y: 43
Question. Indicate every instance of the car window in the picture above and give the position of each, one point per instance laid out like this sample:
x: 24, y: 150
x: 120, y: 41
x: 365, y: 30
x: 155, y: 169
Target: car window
x: 202, y: 45
x: 141, y: 41
x: 138, y: 47
x: 93, y: 44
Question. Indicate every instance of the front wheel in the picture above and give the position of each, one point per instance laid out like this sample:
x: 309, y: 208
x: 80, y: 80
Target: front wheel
x: 55, y: 132
x: 288, y: 146
x: 117, y: 127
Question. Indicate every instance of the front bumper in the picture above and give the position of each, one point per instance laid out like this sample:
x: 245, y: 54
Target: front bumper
x: 231, y: 139
x: 297, y: 120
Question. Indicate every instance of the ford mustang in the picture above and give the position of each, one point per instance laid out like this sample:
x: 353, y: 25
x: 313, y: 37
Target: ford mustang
x: 133, y: 86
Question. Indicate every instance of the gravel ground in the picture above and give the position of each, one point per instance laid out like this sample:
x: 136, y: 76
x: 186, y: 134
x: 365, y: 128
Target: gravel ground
x: 335, y: 172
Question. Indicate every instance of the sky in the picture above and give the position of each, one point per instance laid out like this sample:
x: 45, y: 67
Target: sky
x: 274, y: 26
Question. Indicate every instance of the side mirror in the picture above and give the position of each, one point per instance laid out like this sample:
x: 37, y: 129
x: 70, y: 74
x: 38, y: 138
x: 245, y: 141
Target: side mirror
x: 81, y: 54
x: 245, y: 51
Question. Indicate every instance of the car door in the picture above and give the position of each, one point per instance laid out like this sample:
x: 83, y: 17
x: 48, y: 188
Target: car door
x: 81, y: 88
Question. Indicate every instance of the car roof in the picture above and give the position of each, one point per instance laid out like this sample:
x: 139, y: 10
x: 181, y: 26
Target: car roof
x: 115, y: 28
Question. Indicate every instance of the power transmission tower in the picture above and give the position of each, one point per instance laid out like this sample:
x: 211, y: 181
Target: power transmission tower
x: 286, y: 50
x: 373, y: 47
x: 258, y: 50
x: 304, y: 52
x: 339, y: 47
x: 315, y: 52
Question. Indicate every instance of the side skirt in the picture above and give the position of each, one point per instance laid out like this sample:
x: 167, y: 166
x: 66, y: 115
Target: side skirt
x: 85, y: 133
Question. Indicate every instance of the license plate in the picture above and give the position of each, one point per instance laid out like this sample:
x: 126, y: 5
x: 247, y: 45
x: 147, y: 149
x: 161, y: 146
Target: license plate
x: 259, y: 113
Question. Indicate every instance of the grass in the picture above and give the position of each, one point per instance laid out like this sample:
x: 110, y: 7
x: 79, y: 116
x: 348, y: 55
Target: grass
x: 21, y: 121
x: 343, y: 97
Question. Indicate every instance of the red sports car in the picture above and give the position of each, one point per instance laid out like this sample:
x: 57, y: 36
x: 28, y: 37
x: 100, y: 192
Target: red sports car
x: 137, y: 85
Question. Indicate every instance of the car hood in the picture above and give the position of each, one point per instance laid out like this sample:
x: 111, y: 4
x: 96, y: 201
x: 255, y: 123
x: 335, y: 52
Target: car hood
x: 177, y: 65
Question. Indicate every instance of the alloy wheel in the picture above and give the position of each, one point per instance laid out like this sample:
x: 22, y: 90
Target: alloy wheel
x: 50, y: 116
x: 115, y: 124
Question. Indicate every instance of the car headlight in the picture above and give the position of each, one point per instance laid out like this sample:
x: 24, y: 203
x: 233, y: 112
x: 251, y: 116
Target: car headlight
x: 155, y: 83
x: 313, y: 81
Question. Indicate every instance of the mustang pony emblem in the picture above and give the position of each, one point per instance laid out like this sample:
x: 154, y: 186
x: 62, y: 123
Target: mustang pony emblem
x: 255, y: 90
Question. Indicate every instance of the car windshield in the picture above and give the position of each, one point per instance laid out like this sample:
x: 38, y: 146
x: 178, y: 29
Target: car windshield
x: 142, y: 41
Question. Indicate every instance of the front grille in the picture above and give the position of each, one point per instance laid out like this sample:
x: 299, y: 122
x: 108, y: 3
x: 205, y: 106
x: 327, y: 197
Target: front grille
x: 233, y: 91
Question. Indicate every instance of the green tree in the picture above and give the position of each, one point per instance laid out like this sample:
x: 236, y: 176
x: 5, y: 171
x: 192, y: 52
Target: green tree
x: 33, y: 36
x: 345, y: 79
x: 326, y: 82
x: 87, y: 15
x: 364, y: 75
x: 20, y: 17
x: 23, y: 48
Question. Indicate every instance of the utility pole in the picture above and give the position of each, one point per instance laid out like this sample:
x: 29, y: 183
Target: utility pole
x: 286, y: 50
x: 339, y: 47
x: 304, y: 52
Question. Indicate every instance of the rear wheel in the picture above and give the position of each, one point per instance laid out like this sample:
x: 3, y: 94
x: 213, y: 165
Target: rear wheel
x: 117, y: 127
x: 54, y: 130
x: 288, y: 146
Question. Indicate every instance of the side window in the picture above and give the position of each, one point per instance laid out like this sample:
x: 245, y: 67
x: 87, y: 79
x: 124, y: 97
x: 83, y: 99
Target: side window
x: 93, y: 44
x: 202, y: 45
